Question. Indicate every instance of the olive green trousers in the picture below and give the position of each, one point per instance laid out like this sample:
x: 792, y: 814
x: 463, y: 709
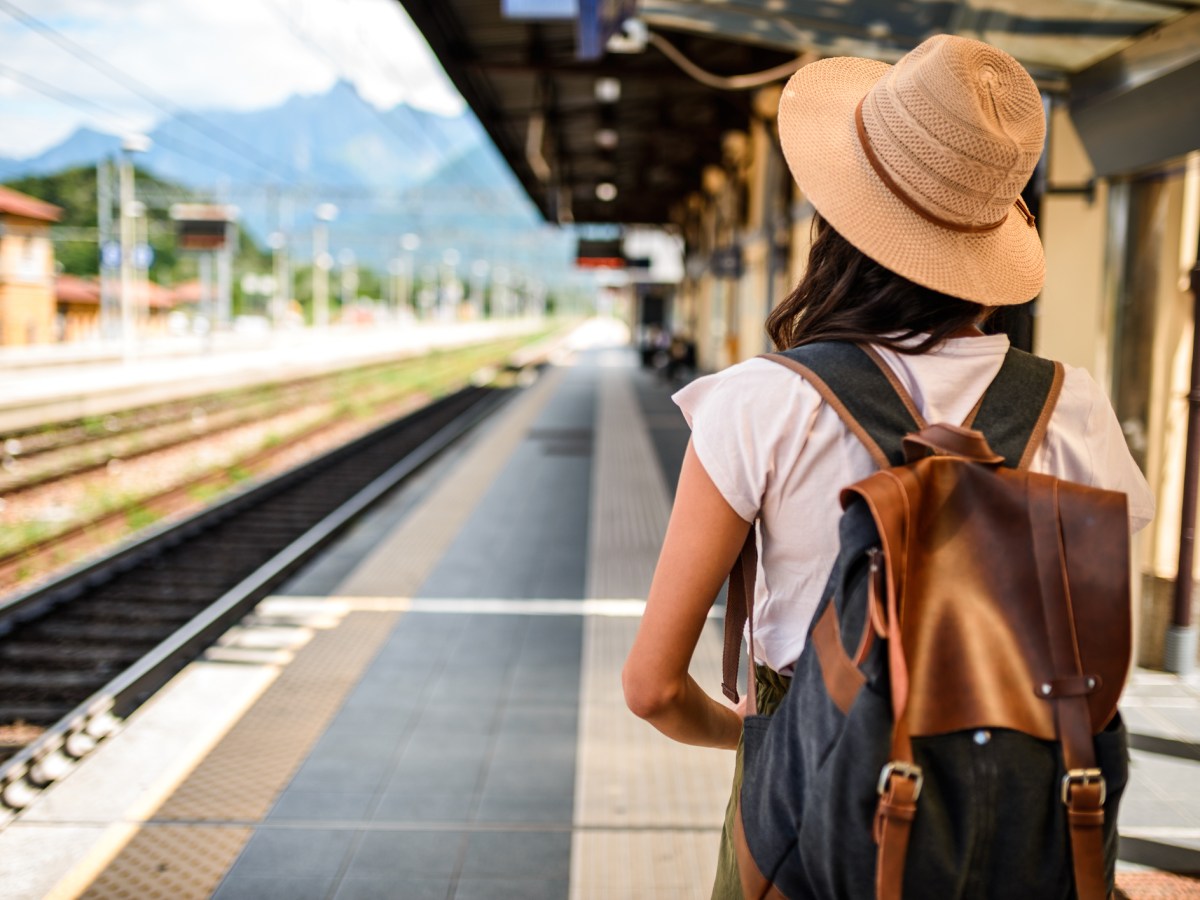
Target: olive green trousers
x: 771, y: 688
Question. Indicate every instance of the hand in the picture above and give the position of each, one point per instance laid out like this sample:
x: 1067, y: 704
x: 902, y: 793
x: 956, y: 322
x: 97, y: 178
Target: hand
x: 742, y: 707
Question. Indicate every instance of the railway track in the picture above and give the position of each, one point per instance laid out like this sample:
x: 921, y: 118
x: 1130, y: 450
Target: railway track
x: 33, y: 457
x: 81, y: 653
x: 61, y: 515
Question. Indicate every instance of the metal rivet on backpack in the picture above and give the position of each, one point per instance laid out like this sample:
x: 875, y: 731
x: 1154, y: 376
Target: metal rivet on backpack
x: 1046, y: 689
x: 982, y: 736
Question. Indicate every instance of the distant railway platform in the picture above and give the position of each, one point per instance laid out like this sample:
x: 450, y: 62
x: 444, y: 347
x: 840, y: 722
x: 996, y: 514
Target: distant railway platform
x: 57, y: 383
x: 432, y: 708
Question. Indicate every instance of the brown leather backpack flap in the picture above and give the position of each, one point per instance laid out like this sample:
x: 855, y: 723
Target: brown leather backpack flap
x: 1095, y: 532
x: 973, y: 628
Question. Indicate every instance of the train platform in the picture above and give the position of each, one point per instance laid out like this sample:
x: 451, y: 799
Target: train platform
x: 39, y: 385
x: 433, y: 709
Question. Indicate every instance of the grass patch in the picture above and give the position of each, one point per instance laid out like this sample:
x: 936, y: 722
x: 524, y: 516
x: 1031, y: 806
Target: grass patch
x: 354, y: 394
x: 202, y: 493
x: 16, y: 537
x: 140, y: 517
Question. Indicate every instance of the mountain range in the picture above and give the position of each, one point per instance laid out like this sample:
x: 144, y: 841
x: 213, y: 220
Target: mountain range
x: 389, y: 172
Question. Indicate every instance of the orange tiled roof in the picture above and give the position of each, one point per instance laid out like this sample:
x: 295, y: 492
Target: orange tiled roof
x: 72, y: 289
x: 155, y: 296
x: 14, y: 203
x: 189, y: 292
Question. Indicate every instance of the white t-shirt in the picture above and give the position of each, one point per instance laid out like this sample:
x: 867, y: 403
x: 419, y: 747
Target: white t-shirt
x: 777, y: 451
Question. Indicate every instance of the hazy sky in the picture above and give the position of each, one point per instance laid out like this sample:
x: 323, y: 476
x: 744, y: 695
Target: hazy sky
x: 204, y: 54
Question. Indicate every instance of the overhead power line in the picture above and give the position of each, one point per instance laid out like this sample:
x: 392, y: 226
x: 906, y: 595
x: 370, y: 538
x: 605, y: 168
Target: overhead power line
x: 412, y: 196
x: 48, y: 90
x: 287, y: 18
x: 82, y: 103
x: 191, y: 120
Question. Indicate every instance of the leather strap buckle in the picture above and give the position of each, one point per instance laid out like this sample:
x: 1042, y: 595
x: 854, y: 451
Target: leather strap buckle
x: 1082, y: 777
x: 905, y: 770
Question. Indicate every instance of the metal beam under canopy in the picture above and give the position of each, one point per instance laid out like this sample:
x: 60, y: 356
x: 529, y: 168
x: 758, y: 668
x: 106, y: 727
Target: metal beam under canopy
x: 625, y: 137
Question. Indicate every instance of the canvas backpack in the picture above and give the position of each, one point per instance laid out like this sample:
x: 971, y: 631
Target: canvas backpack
x: 951, y: 727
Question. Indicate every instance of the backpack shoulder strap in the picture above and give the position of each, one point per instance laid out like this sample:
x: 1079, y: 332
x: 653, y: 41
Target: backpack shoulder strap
x: 1015, y: 410
x: 1013, y: 413
x: 870, y: 400
x: 862, y: 390
x: 853, y: 379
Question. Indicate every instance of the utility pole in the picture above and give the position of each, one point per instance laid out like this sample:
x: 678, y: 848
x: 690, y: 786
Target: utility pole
x: 224, y: 317
x: 322, y: 263
x: 278, y: 242
x: 410, y: 243
x: 208, y: 299
x: 479, y: 271
x: 349, y: 279
x: 104, y: 223
x: 279, y: 302
x: 391, y: 288
x: 135, y: 143
x: 450, y: 292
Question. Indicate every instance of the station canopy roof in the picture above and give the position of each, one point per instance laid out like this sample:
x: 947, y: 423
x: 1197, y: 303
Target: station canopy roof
x: 624, y: 136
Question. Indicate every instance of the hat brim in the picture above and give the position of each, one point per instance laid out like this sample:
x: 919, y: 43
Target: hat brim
x: 820, y: 141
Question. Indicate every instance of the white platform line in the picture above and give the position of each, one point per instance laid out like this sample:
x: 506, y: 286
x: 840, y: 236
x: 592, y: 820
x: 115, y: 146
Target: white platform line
x: 337, y: 605
x: 1162, y: 833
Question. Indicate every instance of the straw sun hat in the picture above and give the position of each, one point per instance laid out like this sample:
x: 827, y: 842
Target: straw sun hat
x: 920, y: 165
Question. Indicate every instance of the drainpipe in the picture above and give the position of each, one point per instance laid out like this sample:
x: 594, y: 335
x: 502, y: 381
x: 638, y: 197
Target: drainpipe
x: 1180, y: 651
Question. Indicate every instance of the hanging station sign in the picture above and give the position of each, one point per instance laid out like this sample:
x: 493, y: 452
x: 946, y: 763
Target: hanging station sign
x: 202, y: 226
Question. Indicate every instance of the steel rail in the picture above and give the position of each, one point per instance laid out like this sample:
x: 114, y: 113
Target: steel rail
x: 241, y: 407
x: 31, y: 552
x: 54, y: 752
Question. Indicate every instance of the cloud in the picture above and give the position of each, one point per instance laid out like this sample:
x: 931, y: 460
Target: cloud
x: 209, y: 54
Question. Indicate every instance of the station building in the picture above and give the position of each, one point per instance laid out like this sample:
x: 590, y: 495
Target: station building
x: 27, y: 302
x: 662, y: 113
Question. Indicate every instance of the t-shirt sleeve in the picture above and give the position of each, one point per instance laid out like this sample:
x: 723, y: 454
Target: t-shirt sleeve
x: 738, y: 418
x: 1113, y: 467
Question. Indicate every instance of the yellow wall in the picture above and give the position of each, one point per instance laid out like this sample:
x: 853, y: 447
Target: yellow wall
x: 1164, y: 250
x: 26, y: 315
x: 27, y: 306
x: 1172, y: 346
x: 753, y: 288
x: 1071, y: 321
x: 81, y: 321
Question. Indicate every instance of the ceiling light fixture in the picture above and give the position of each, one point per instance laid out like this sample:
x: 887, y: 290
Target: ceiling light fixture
x: 606, y: 191
x: 608, y: 90
x: 607, y: 138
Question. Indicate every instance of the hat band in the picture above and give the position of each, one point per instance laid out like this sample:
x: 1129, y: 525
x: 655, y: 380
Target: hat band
x: 907, y: 199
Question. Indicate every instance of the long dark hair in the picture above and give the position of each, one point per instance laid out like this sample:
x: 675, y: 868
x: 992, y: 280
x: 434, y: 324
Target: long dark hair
x: 847, y: 296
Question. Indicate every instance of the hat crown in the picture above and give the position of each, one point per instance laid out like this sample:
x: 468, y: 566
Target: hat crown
x: 958, y: 126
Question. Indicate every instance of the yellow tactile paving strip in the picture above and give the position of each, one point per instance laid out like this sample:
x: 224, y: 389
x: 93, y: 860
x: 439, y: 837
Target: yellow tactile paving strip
x: 629, y: 496
x: 164, y: 862
x: 241, y: 777
x: 236, y: 784
x: 648, y: 811
x: 186, y: 846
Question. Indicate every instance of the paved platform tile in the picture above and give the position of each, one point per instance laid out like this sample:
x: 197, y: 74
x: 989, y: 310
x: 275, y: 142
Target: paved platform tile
x: 239, y: 780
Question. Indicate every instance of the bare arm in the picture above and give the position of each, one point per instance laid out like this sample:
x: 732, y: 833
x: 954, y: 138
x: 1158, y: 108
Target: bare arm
x: 703, y: 539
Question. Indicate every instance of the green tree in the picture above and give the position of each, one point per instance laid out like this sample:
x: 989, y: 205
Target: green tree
x: 75, y: 191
